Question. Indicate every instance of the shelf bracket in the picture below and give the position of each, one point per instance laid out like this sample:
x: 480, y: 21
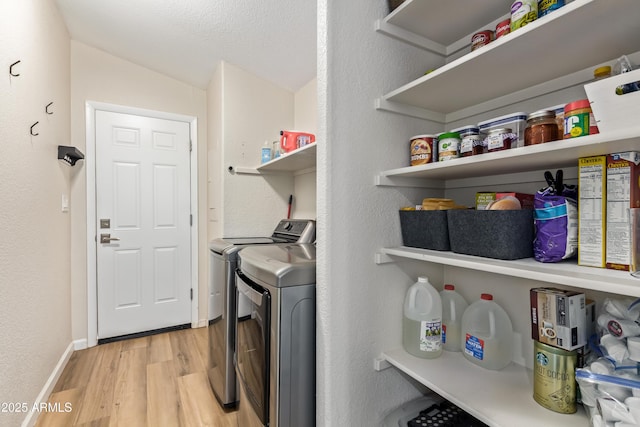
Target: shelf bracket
x: 413, y: 39
x: 382, y: 258
x: 387, y: 181
x: 409, y: 110
x: 380, y: 363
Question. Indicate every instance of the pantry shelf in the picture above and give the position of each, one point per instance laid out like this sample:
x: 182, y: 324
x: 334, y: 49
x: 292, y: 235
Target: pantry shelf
x: 551, y: 155
x: 565, y: 273
x: 295, y: 161
x: 510, y: 64
x: 498, y: 398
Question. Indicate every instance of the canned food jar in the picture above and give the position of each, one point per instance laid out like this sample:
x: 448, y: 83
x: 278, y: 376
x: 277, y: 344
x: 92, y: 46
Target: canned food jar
x: 503, y: 28
x: 548, y: 6
x: 470, y: 141
x: 541, y: 127
x: 577, y: 118
x: 523, y: 12
x: 448, y: 146
x: 500, y: 139
x: 480, y: 39
x: 421, y: 147
x: 554, y: 378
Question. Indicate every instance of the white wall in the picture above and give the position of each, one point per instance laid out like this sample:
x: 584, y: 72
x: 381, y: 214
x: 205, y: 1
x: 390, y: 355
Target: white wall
x: 359, y: 302
x: 306, y: 119
x: 35, y: 247
x: 99, y: 76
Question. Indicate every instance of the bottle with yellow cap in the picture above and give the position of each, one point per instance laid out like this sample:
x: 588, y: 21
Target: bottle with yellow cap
x: 602, y: 72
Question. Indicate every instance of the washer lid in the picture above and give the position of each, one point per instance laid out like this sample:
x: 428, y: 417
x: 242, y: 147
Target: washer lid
x: 219, y: 245
x: 283, y: 265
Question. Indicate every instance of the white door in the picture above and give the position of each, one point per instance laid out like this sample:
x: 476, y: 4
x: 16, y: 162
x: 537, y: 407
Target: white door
x: 143, y: 208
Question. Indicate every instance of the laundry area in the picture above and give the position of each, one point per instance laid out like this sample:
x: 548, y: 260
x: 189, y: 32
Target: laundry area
x: 387, y: 213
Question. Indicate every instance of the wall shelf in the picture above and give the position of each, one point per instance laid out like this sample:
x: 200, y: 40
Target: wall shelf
x: 294, y: 161
x: 498, y: 398
x: 69, y: 155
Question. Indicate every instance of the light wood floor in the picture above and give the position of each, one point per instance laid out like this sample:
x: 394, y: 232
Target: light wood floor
x: 159, y: 380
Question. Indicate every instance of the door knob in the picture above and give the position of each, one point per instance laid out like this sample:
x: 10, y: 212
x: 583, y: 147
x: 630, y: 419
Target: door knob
x: 106, y: 238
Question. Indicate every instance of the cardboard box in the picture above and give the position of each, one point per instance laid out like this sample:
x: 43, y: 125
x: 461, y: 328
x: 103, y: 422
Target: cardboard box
x: 623, y: 193
x: 592, y: 189
x: 483, y: 199
x: 558, y: 318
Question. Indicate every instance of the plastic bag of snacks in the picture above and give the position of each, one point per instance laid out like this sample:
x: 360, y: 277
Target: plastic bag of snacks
x: 556, y: 220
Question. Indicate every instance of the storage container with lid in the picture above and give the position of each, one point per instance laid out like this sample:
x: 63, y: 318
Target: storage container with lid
x: 448, y: 146
x: 487, y: 334
x: 541, y: 127
x: 470, y: 140
x: 453, y: 307
x: 578, y: 119
x: 517, y: 122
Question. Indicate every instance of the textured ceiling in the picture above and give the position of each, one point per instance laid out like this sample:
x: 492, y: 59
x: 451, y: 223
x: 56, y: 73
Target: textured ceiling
x: 186, y: 39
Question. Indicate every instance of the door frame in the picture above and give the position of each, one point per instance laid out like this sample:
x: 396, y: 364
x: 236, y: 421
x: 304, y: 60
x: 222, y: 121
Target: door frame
x: 90, y: 164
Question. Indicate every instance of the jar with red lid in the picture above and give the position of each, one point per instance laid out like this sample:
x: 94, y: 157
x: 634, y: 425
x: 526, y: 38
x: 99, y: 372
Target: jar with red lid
x: 578, y: 119
x: 541, y: 127
x: 500, y: 139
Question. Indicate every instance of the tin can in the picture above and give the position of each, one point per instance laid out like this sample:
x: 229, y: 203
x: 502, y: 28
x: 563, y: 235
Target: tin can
x: 448, y: 146
x: 481, y: 38
x: 523, y: 12
x: 554, y: 378
x: 500, y: 139
x: 548, y: 6
x: 422, y: 149
x: 503, y: 28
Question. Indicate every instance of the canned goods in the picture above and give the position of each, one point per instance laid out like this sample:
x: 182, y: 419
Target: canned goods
x: 503, y: 28
x: 577, y: 118
x: 548, y: 6
x: 422, y: 149
x: 523, y: 12
x: 500, y: 139
x: 541, y: 127
x: 554, y: 378
x: 480, y: 39
x: 448, y: 146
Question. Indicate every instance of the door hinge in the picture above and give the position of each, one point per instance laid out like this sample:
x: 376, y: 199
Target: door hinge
x: 191, y: 219
x: 191, y: 291
x: 190, y: 146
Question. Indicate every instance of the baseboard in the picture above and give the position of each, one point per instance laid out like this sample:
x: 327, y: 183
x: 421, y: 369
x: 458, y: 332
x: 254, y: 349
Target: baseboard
x: 32, y: 416
x: 80, y: 344
x: 201, y: 323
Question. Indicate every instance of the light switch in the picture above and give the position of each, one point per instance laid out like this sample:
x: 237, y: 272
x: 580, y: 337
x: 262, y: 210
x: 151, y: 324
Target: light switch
x: 65, y: 203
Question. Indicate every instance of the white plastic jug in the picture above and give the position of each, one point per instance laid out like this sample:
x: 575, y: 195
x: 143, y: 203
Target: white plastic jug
x: 487, y: 334
x: 453, y: 307
x: 422, y: 320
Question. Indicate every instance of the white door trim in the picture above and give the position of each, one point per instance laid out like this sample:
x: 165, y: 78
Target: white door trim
x: 90, y: 165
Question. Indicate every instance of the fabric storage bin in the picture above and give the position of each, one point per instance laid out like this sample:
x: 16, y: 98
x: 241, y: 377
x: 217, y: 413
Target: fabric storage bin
x: 496, y: 234
x: 610, y: 110
x: 425, y: 229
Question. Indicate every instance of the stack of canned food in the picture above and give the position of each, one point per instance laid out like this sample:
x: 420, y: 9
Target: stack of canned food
x: 522, y: 13
x: 513, y: 130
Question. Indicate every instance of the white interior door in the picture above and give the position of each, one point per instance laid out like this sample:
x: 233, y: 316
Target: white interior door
x: 143, y: 208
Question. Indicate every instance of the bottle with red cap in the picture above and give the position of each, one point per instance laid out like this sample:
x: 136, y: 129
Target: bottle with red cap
x: 487, y: 334
x: 453, y: 306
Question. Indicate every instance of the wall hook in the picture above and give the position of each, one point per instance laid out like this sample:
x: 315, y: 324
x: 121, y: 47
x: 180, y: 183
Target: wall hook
x: 32, y: 126
x: 11, y: 69
x: 47, y: 108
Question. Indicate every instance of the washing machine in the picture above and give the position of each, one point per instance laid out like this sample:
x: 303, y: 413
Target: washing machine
x: 276, y: 343
x: 224, y: 308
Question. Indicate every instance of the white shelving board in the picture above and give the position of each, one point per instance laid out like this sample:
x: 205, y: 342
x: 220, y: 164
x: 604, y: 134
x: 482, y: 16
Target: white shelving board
x: 499, y: 398
x: 566, y: 273
x: 297, y: 160
x: 572, y: 38
x: 555, y: 154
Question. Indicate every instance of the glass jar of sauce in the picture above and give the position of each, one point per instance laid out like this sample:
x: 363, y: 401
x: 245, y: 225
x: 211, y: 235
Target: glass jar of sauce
x: 470, y: 141
x: 541, y: 127
x: 500, y: 139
